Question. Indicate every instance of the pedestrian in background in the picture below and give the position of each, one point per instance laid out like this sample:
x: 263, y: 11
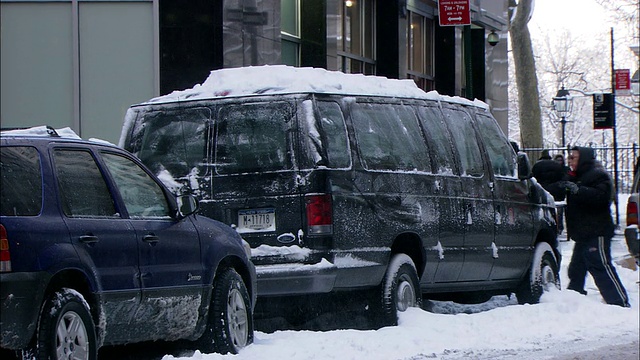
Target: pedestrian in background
x: 550, y: 175
x: 590, y: 224
x: 559, y: 158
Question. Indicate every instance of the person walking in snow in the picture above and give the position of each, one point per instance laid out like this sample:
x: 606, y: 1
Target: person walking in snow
x: 589, y: 222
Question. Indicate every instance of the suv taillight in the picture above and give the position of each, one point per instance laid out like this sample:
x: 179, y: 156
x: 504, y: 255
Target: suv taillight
x: 632, y: 213
x: 319, y: 214
x: 5, y: 256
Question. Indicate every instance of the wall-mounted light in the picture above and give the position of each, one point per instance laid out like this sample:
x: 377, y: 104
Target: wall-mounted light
x: 348, y: 3
x: 493, y: 38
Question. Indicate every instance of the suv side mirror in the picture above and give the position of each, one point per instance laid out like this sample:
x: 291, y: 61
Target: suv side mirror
x: 524, y: 166
x: 187, y: 205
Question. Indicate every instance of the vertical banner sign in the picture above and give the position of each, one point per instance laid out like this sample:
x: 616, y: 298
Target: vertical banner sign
x: 603, y: 111
x: 623, y: 81
x: 454, y: 12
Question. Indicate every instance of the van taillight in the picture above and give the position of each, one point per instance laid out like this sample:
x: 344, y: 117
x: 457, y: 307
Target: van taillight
x: 5, y: 256
x: 319, y: 214
x: 632, y: 213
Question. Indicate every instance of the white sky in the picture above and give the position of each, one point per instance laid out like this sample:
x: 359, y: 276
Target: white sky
x: 587, y: 22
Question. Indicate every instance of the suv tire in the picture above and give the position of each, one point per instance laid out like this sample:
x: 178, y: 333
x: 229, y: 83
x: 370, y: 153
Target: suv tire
x: 541, y: 277
x: 65, y: 328
x: 230, y: 326
x: 400, y: 289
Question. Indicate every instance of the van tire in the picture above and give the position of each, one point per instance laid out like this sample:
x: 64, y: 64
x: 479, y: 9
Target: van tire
x: 65, y: 327
x: 541, y: 277
x: 400, y: 289
x: 230, y: 324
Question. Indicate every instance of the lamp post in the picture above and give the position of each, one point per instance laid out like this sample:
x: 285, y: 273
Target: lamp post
x: 562, y: 104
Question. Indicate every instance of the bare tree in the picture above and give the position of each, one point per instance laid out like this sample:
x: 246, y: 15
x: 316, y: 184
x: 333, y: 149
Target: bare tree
x: 525, y: 73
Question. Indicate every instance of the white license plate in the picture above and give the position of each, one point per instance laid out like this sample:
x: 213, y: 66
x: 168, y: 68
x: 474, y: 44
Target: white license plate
x: 256, y: 220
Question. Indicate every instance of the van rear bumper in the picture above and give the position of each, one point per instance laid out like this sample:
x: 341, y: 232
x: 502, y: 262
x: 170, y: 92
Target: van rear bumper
x: 296, y: 279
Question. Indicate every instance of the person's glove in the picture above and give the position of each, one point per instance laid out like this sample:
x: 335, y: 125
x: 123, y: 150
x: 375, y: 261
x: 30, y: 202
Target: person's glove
x: 571, y: 187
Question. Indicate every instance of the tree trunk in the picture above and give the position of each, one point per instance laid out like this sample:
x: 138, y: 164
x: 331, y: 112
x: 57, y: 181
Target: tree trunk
x: 526, y: 78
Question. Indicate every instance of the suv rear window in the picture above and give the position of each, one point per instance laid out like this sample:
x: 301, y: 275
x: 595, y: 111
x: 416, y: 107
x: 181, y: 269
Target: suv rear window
x: 20, y: 181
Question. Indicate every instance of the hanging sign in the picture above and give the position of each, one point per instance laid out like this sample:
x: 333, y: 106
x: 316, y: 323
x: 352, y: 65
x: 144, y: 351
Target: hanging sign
x: 454, y: 12
x: 603, y: 111
x: 623, y: 81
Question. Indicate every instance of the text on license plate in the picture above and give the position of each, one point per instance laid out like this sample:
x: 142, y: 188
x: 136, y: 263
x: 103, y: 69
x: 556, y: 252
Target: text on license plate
x: 256, y: 220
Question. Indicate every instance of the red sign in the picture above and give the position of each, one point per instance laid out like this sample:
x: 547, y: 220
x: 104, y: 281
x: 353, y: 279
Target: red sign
x: 623, y: 83
x: 454, y: 12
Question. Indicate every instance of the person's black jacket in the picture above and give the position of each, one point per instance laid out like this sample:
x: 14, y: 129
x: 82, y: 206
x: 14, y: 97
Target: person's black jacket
x: 588, y: 211
x: 551, y: 175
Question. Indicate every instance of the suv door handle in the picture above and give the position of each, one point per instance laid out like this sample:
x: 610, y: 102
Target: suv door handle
x: 152, y: 239
x: 88, y: 239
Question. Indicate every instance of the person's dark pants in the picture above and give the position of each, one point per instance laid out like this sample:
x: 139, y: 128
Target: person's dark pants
x: 561, y: 220
x: 593, y: 255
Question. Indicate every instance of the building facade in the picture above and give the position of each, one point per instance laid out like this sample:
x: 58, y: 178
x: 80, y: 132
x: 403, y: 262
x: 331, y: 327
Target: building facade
x: 81, y: 63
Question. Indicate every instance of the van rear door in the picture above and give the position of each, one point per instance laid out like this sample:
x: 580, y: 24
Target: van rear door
x: 255, y: 183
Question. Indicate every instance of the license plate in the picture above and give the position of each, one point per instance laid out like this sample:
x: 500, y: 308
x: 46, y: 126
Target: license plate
x: 256, y: 220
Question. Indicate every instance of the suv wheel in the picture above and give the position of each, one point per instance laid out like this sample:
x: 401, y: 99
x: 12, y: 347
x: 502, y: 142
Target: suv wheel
x: 400, y: 289
x: 230, y: 326
x: 66, y: 329
x: 542, y: 276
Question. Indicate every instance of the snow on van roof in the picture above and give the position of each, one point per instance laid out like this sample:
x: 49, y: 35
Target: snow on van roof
x: 281, y: 79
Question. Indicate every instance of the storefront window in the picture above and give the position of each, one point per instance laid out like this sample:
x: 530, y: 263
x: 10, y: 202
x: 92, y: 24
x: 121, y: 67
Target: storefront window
x: 356, y: 45
x: 420, y: 51
x: 290, y: 32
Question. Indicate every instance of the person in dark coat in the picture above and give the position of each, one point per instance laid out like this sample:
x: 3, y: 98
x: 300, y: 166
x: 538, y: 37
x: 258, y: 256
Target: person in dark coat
x: 589, y: 222
x: 559, y: 158
x: 550, y: 175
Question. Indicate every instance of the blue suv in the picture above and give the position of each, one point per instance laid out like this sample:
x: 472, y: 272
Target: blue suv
x: 94, y: 251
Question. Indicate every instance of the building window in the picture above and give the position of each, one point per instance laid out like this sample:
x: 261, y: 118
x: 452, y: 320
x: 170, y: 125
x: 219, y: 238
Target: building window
x: 420, y: 51
x: 290, y: 32
x: 356, y: 36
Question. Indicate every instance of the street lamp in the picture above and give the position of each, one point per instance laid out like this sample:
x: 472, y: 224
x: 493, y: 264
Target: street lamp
x: 562, y: 104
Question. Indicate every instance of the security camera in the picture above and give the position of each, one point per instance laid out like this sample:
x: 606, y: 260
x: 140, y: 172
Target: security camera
x: 493, y: 38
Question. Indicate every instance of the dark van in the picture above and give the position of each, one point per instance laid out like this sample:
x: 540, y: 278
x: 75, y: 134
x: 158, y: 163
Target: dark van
x: 348, y: 182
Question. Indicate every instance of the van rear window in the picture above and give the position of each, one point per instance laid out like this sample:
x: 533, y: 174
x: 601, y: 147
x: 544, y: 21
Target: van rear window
x: 20, y: 181
x: 254, y: 138
x: 174, y: 140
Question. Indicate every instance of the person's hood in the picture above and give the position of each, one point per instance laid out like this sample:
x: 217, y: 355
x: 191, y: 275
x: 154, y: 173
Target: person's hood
x: 587, y: 160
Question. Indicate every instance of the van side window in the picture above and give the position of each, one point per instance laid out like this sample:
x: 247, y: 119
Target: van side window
x: 175, y: 140
x: 327, y: 136
x: 464, y: 137
x: 20, y: 181
x: 389, y: 138
x: 254, y: 137
x: 83, y: 190
x: 503, y: 159
x: 436, y: 131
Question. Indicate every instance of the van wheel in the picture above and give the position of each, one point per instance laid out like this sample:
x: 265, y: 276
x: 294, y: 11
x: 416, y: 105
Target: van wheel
x: 66, y: 329
x: 230, y: 324
x: 542, y: 276
x: 400, y: 289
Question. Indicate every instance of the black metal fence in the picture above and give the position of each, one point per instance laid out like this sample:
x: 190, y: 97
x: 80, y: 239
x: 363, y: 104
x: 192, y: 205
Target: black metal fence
x: 626, y: 155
